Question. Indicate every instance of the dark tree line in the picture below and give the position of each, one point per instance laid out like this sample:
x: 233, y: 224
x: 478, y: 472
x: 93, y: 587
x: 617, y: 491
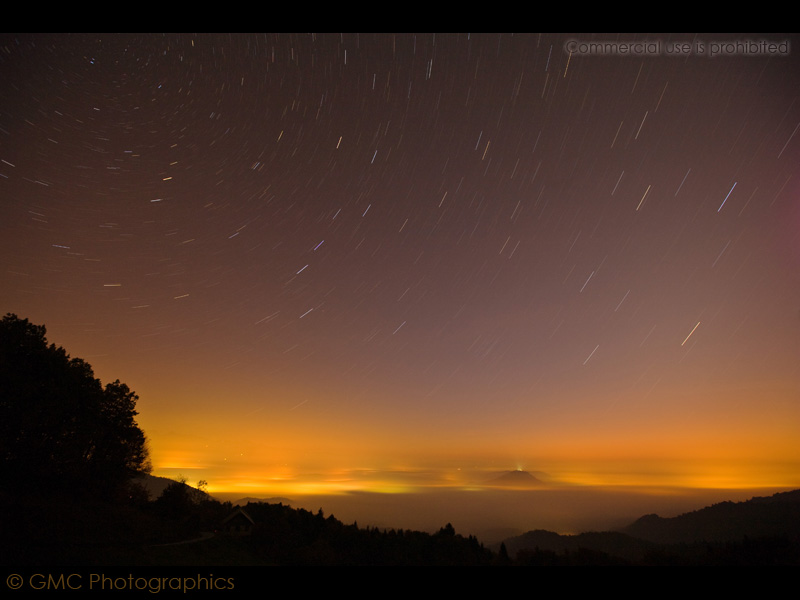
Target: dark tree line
x: 293, y: 536
x: 60, y: 429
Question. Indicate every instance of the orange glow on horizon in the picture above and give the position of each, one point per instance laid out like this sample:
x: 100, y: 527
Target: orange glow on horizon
x: 660, y: 476
x: 306, y: 460
x: 299, y: 455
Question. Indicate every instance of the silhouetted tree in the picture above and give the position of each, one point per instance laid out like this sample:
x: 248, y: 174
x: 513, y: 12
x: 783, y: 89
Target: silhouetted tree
x: 502, y: 555
x: 175, y: 502
x: 59, y: 428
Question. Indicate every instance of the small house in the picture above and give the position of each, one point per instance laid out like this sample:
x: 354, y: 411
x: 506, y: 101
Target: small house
x: 238, y: 523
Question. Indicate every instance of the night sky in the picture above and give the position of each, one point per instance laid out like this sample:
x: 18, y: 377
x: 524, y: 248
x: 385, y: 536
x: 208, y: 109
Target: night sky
x: 343, y: 260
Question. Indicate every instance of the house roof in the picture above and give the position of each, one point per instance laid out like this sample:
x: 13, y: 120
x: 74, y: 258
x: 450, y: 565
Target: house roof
x: 239, y: 511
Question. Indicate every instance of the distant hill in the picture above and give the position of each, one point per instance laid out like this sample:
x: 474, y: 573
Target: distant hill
x: 515, y: 479
x: 155, y: 486
x: 608, y: 542
x: 776, y: 515
x: 762, y: 530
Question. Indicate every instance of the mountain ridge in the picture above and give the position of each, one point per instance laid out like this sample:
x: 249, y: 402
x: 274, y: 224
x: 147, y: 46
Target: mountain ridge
x: 761, y: 525
x: 515, y: 479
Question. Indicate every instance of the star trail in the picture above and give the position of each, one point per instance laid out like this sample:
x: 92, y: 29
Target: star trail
x: 314, y: 254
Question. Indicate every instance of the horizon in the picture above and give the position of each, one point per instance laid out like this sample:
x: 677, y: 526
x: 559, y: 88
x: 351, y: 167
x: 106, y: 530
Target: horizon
x: 643, y: 475
x: 345, y: 265
x: 476, y: 505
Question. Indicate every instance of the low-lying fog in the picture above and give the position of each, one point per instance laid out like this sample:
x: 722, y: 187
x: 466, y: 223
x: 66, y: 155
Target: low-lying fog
x: 493, y: 514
